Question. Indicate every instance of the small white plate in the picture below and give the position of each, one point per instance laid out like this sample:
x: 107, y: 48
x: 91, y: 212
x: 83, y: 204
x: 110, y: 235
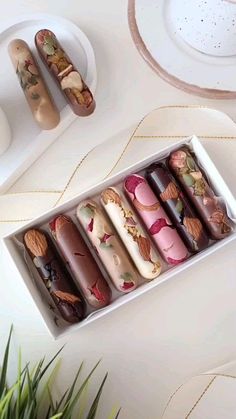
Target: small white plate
x: 172, y: 58
x: 28, y: 141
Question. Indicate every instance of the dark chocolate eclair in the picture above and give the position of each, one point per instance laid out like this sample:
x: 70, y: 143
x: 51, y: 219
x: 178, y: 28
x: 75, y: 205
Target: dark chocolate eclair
x: 178, y: 207
x: 194, y: 182
x: 58, y: 282
x: 69, y: 79
x: 81, y: 262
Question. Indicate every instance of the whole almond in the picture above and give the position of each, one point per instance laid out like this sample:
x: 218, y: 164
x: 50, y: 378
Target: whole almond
x: 110, y: 195
x: 171, y: 192
x: 36, y: 242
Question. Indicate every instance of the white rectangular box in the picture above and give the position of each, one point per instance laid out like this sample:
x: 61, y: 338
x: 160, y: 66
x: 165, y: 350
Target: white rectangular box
x: 39, y: 293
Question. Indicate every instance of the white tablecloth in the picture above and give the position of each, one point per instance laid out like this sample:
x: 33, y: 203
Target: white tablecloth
x: 186, y: 326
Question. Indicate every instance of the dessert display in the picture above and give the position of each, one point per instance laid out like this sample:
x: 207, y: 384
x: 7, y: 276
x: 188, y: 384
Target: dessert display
x: 64, y: 72
x: 136, y: 241
x: 194, y: 182
x: 80, y: 261
x: 33, y: 85
x: 160, y: 228
x: 57, y: 281
x: 178, y: 207
x: 108, y: 246
x: 119, y: 238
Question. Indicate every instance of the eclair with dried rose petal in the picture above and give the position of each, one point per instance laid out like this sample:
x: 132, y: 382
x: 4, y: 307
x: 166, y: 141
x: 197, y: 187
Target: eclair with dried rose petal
x: 80, y: 261
x: 136, y: 241
x: 55, y: 277
x: 210, y: 207
x: 108, y: 246
x: 163, y: 232
x: 33, y: 85
x: 64, y: 72
x: 178, y: 207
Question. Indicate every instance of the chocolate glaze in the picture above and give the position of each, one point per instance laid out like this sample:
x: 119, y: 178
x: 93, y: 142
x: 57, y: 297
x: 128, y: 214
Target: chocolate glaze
x: 178, y: 207
x: 82, y: 264
x: 77, y: 93
x: 186, y: 169
x: 57, y: 281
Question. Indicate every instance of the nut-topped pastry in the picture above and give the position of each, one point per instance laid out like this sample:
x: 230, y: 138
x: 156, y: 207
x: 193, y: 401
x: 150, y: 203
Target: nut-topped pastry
x: 57, y: 281
x: 136, y: 241
x: 163, y: 232
x: 64, y: 72
x: 178, y: 207
x: 33, y: 85
x: 108, y: 245
x: 210, y: 207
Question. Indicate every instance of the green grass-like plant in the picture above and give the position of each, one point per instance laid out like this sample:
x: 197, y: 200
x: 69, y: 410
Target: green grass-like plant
x: 30, y: 397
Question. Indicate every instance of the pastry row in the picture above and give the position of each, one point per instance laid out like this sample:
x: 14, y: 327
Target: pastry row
x: 63, y: 71
x: 168, y: 212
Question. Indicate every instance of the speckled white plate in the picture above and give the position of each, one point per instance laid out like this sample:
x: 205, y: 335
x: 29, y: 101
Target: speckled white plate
x: 174, y: 59
x: 28, y: 140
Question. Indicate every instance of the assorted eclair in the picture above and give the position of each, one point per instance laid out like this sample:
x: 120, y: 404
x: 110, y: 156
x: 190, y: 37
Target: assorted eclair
x: 56, y: 279
x: 62, y: 69
x: 79, y: 259
x: 178, y: 207
x: 108, y: 246
x: 160, y: 228
x: 136, y: 241
x: 166, y: 212
x: 33, y: 85
x: 194, y: 182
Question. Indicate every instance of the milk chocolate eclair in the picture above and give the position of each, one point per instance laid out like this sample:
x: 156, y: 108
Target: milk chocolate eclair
x: 178, y: 207
x: 86, y: 272
x: 33, y: 85
x: 58, y: 282
x: 210, y: 207
x: 68, y: 78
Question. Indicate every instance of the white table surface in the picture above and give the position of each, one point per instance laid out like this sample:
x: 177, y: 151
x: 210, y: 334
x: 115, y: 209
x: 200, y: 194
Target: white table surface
x: 155, y: 343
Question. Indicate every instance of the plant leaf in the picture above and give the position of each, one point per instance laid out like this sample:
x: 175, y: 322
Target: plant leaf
x: 115, y: 413
x: 71, y: 404
x: 94, y: 407
x: 5, y: 364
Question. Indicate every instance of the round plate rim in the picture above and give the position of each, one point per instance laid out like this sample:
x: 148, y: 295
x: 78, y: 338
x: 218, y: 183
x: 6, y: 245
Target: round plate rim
x: 173, y: 80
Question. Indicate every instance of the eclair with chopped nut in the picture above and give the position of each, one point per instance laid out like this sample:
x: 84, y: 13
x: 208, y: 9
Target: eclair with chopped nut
x: 57, y: 281
x: 136, y: 241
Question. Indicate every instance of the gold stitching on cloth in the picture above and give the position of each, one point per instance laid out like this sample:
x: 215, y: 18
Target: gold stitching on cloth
x: 171, y: 397
x: 204, y: 374
x: 15, y: 221
x: 72, y: 176
x: 220, y: 375
x: 182, y: 136
x: 121, y: 155
x: 29, y: 192
x: 200, y: 397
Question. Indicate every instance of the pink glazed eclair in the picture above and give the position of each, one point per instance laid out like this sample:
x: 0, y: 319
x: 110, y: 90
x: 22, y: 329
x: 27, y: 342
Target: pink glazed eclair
x: 168, y: 242
x: 108, y: 246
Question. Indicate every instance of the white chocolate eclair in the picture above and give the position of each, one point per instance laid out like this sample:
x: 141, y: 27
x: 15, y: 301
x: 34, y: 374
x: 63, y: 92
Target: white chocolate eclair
x: 108, y: 246
x: 131, y: 233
